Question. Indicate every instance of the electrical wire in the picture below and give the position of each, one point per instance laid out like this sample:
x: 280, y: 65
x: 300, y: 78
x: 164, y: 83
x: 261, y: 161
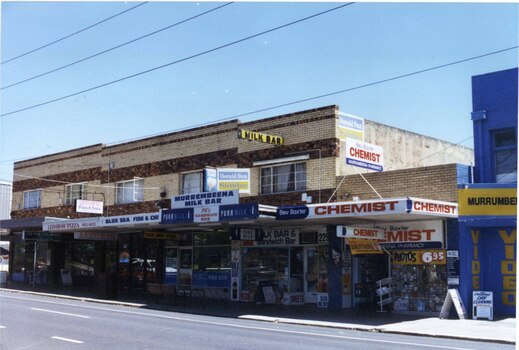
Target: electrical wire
x: 115, y: 47
x: 180, y: 60
x: 75, y: 33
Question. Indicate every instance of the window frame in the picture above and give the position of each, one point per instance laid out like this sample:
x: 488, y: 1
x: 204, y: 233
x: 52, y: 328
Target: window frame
x: 293, y: 171
x: 201, y: 182
x: 38, y: 202
x: 120, y: 186
x: 69, y: 199
x: 499, y: 149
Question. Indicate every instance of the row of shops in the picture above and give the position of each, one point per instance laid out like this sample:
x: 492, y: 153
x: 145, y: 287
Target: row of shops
x: 254, y: 253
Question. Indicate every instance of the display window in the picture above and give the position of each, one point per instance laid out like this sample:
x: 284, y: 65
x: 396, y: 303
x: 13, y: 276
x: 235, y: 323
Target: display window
x: 211, y: 259
x: 79, y: 258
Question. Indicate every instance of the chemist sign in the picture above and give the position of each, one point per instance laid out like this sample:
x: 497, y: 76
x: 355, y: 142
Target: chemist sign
x: 364, y: 155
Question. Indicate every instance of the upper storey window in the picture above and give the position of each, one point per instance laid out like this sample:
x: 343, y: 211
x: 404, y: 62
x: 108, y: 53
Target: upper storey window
x: 130, y: 191
x: 283, y: 178
x: 505, y: 152
x: 73, y: 192
x: 192, y: 182
x: 32, y: 199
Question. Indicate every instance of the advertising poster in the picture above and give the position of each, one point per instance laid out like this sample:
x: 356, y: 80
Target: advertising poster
x: 233, y: 179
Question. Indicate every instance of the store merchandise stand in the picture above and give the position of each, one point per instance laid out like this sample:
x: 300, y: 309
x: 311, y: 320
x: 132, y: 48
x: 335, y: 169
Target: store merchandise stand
x: 384, y: 294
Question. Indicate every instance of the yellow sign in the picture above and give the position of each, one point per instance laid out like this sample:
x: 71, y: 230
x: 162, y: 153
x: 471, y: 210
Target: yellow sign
x: 260, y: 137
x: 163, y: 235
x: 419, y: 257
x: 364, y: 246
x: 487, y: 201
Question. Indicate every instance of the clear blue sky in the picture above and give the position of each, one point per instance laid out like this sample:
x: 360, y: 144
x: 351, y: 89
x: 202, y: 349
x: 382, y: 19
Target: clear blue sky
x: 353, y: 46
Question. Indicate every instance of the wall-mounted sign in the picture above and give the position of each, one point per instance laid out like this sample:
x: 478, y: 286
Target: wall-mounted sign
x: 413, y: 235
x: 350, y: 127
x: 418, y: 257
x: 364, y: 155
x: 279, y: 236
x: 91, y: 207
x: 135, y: 219
x: 96, y: 236
x: 177, y: 216
x: 453, y: 268
x: 208, y: 213
x: 71, y: 225
x: 487, y: 201
x: 193, y: 200
x: 434, y: 208
x: 246, y: 234
x: 360, y: 232
x: 260, y: 137
x: 292, y: 212
x: 40, y: 236
x: 233, y: 212
x: 210, y: 181
x: 233, y: 179
x: 355, y: 209
x: 174, y: 236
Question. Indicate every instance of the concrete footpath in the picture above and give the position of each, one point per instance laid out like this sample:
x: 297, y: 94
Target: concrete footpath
x: 498, y: 331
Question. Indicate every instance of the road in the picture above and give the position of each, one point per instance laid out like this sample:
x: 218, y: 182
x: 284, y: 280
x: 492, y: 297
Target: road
x: 38, y: 322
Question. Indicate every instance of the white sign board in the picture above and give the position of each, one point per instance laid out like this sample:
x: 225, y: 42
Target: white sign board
x: 91, y: 207
x: 482, y: 305
x: 134, y: 219
x: 209, y: 213
x: 233, y: 179
x: 194, y: 200
x: 364, y: 155
x: 360, y: 232
x: 71, y: 225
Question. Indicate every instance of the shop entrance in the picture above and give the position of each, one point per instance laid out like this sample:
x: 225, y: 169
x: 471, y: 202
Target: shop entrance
x: 316, y: 272
x: 186, y: 267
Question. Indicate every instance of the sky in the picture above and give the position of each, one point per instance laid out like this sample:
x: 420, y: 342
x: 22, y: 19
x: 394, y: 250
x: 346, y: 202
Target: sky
x: 216, y: 67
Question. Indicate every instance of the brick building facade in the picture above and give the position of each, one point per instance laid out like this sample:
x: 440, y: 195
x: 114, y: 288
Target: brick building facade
x: 140, y: 177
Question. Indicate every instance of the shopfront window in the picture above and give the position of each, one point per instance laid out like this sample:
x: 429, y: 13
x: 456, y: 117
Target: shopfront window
x: 419, y: 287
x: 79, y: 258
x: 265, y: 267
x: 171, y: 262
x: 211, y: 259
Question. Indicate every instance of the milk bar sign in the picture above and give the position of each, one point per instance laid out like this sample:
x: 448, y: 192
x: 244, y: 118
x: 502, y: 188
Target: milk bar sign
x: 194, y: 200
x: 260, y: 137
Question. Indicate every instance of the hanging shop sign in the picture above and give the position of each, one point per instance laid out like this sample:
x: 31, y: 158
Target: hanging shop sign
x: 259, y: 137
x: 360, y: 232
x: 40, y: 236
x: 235, y: 212
x: 233, y: 179
x: 91, y: 207
x: 360, y: 246
x: 194, y: 200
x: 135, y: 219
x: 350, y: 127
x: 487, y: 201
x: 177, y: 216
x: 418, y: 257
x: 413, y: 235
x: 433, y: 208
x: 364, y: 155
x: 210, y: 182
x: 96, y: 236
x: 71, y: 225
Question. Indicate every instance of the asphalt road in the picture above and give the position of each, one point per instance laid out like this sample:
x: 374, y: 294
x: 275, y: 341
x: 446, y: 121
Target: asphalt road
x: 38, y: 322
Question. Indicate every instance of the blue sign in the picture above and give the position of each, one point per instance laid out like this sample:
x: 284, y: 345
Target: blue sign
x: 293, y: 212
x: 177, y: 216
x: 233, y: 212
x: 212, y: 279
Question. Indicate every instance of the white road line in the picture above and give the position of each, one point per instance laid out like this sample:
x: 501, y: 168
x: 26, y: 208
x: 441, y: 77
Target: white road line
x: 59, y: 313
x: 68, y: 340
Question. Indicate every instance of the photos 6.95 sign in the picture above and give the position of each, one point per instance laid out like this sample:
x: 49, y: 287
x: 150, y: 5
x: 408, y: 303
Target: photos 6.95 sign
x: 364, y: 155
